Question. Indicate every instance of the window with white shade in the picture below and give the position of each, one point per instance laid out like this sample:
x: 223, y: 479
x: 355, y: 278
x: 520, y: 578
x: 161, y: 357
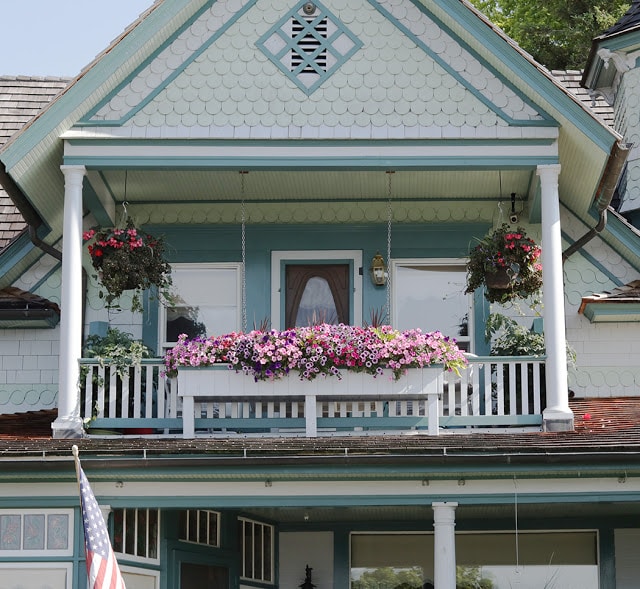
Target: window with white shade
x: 207, y: 301
x: 429, y: 294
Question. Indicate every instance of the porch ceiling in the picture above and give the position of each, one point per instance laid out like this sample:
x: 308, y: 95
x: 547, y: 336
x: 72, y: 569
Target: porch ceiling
x: 166, y: 186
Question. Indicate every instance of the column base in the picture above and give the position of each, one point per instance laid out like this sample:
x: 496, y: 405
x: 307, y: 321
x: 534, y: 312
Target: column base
x: 554, y: 420
x: 67, y: 427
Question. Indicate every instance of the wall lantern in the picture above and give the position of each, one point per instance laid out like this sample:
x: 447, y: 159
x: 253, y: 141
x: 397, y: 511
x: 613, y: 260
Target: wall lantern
x: 378, y: 270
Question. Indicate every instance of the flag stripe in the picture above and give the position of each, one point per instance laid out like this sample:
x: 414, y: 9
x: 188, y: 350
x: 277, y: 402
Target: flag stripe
x: 102, y: 567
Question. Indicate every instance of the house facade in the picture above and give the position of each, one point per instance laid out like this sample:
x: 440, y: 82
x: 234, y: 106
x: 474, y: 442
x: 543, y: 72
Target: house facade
x: 611, y: 73
x: 282, y: 150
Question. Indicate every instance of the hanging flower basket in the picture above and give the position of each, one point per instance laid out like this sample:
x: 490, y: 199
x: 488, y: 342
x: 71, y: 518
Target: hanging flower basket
x: 501, y: 279
x: 507, y: 263
x: 127, y: 258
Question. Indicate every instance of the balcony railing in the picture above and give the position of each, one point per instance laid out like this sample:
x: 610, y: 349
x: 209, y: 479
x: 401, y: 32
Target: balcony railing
x: 493, y: 393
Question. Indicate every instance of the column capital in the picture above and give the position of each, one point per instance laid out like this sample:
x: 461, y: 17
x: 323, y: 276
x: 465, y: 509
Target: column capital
x: 73, y: 175
x: 69, y: 169
x: 548, y: 171
x: 451, y: 504
x: 444, y: 512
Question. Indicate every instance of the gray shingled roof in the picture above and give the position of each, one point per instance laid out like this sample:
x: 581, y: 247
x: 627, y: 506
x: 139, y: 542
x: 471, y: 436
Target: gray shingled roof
x: 570, y: 79
x: 21, y: 98
x: 602, y: 425
x: 629, y: 21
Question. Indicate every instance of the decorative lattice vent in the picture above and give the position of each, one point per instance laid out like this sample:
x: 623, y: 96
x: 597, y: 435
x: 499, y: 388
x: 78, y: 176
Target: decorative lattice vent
x: 308, y: 45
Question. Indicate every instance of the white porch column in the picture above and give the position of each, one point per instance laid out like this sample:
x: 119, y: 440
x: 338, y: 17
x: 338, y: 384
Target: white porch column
x: 557, y: 416
x: 444, y: 545
x: 69, y: 424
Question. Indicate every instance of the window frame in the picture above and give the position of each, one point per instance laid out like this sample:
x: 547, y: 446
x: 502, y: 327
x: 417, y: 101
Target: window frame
x: 162, y: 312
x: 44, y: 552
x: 243, y: 564
x: 198, y: 514
x: 434, y: 262
x: 127, y: 556
x: 21, y: 565
x: 279, y: 260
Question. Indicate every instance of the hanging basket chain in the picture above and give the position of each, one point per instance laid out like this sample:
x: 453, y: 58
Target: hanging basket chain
x: 244, y: 251
x: 389, y: 219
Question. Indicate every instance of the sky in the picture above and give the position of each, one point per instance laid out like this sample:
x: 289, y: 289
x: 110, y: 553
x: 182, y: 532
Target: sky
x: 60, y: 37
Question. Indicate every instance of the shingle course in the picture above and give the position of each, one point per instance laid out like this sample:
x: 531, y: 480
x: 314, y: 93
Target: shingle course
x: 570, y: 79
x: 21, y: 98
x: 601, y: 425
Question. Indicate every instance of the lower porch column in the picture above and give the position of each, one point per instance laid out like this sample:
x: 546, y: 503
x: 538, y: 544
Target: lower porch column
x: 557, y: 416
x: 444, y: 545
x: 69, y: 423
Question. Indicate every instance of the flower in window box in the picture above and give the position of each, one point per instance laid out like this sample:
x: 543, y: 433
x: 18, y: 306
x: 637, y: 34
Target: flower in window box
x: 127, y: 258
x: 507, y: 263
x: 318, y: 351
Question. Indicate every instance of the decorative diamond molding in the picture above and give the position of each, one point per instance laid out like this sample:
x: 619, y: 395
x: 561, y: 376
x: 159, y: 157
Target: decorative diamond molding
x: 308, y: 45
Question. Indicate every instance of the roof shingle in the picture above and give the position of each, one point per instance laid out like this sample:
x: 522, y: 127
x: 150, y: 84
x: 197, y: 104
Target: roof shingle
x: 602, y: 425
x: 21, y: 98
x: 571, y: 79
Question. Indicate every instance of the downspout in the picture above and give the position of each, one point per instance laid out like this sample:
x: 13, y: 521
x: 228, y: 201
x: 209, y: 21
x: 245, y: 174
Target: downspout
x: 30, y: 216
x: 606, y: 190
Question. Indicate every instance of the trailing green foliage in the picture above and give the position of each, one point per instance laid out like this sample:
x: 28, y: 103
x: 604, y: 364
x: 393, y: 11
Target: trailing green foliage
x: 509, y: 338
x: 117, y: 348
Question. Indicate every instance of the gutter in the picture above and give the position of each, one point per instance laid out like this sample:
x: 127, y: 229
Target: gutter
x: 29, y: 214
x: 595, y: 462
x: 604, y: 195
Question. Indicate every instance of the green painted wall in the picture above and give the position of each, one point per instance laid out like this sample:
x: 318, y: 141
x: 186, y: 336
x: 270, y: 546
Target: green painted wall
x: 222, y: 243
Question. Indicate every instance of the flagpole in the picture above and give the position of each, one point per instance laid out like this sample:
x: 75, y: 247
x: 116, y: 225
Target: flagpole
x: 76, y: 459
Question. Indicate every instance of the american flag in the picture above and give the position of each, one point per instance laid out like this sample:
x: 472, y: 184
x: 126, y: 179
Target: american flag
x: 102, y: 567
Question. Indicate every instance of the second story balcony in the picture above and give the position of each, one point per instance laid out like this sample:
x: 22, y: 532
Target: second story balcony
x: 492, y: 393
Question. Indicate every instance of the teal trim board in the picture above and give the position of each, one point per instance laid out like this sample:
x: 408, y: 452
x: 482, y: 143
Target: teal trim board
x: 94, y: 204
x: 593, y: 261
x: 249, y: 162
x: 607, y: 557
x: 625, y: 236
x: 14, y: 253
x: 612, y: 312
x: 297, y: 143
x: 629, y: 41
x: 251, y: 501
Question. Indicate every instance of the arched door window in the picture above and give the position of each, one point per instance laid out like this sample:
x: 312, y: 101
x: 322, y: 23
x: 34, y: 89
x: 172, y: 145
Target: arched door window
x: 316, y: 293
